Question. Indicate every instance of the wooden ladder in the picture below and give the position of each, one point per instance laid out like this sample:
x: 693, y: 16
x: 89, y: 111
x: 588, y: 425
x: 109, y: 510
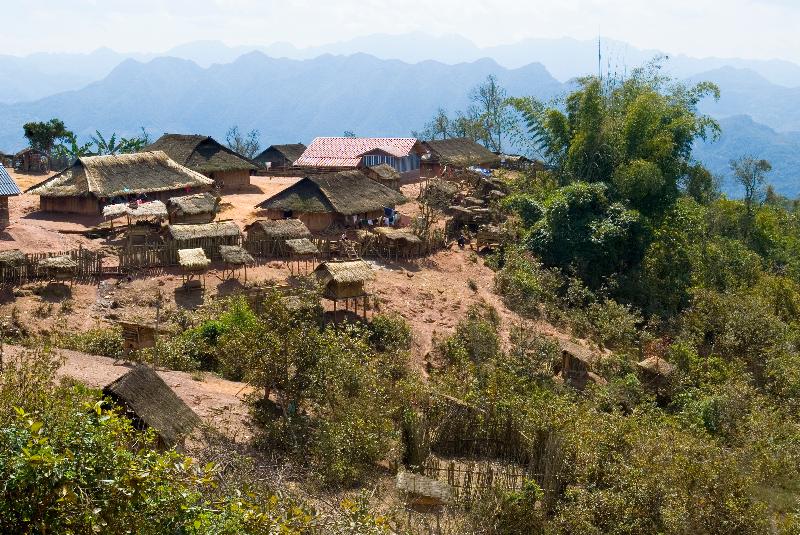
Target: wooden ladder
x: 348, y: 249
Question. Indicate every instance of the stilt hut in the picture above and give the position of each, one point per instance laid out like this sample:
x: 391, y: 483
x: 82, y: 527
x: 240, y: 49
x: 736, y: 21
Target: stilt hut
x: 138, y: 335
x: 143, y: 219
x: 203, y: 154
x: 655, y: 373
x: 267, y: 237
x: 301, y: 250
x: 397, y: 243
x: 384, y: 174
x: 58, y: 268
x: 577, y: 363
x: 8, y: 188
x: 208, y: 236
x: 30, y: 160
x: 234, y: 258
x: 150, y: 403
x: 93, y: 182
x: 194, y: 263
x: 12, y: 265
x: 193, y: 209
x: 345, y: 281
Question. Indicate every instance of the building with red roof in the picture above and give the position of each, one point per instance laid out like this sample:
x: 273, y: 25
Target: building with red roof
x: 342, y: 153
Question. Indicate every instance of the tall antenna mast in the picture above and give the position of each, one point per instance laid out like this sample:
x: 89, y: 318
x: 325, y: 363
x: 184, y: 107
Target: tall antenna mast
x: 599, y: 58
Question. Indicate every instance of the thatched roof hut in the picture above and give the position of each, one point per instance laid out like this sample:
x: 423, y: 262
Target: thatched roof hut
x: 459, y: 152
x: 344, y: 280
x: 60, y: 264
x: 302, y: 247
x: 384, y: 174
x: 193, y: 259
x: 577, y: 363
x: 235, y: 255
x: 207, y: 156
x: 155, y: 210
x: 277, y: 229
x: 398, y: 235
x: 94, y: 181
x: 217, y: 229
x: 193, y: 209
x: 151, y: 403
x: 12, y: 258
x: 655, y: 372
x: 280, y: 156
x: 321, y: 201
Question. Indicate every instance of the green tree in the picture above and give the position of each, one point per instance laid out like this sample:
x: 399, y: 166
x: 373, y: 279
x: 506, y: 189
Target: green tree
x: 44, y: 135
x: 247, y: 145
x: 751, y: 174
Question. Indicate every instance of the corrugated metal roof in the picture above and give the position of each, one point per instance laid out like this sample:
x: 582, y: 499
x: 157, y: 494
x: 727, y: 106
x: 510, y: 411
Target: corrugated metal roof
x: 7, y: 185
x: 347, y: 151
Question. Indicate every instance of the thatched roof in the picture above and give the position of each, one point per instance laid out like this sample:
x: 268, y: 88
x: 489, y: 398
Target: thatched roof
x: 154, y: 209
x: 346, y: 192
x: 656, y: 366
x: 344, y: 272
x: 199, y: 203
x: 122, y: 174
x: 459, y: 152
x: 291, y: 152
x: 281, y: 229
x: 201, y: 153
x: 580, y: 352
x: 384, y: 171
x: 58, y: 263
x: 395, y: 234
x: 7, y: 185
x: 302, y: 246
x: 193, y: 258
x: 235, y: 255
x: 12, y: 257
x: 217, y: 229
x: 145, y: 394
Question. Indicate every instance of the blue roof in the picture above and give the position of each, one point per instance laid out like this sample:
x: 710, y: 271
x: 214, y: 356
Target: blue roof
x: 7, y: 184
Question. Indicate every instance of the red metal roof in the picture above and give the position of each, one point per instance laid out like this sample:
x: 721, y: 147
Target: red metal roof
x: 347, y: 151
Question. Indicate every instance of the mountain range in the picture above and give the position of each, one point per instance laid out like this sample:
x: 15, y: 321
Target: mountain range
x: 293, y: 94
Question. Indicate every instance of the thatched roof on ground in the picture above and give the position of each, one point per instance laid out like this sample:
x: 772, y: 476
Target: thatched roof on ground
x: 344, y: 272
x: 201, y: 153
x: 122, y: 174
x: 302, y: 246
x: 459, y: 152
x: 395, y: 234
x: 656, y: 366
x: 217, y: 229
x: 199, y: 203
x: 235, y: 255
x: 384, y: 171
x: 416, y: 485
x: 58, y: 263
x: 8, y: 187
x: 281, y: 229
x: 291, y: 152
x: 13, y: 257
x: 193, y: 258
x: 152, y: 209
x: 145, y: 394
x: 346, y: 193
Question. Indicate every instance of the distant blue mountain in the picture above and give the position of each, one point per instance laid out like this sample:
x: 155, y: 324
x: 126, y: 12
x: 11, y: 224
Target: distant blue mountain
x: 287, y: 100
x: 741, y: 135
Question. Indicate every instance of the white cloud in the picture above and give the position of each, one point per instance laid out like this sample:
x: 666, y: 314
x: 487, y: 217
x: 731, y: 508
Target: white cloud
x: 742, y: 28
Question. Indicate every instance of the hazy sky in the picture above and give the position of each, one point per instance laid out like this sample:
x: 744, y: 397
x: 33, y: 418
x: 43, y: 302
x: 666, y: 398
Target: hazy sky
x: 740, y: 28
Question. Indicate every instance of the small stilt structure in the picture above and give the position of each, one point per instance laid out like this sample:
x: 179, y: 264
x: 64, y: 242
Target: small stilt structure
x: 195, y: 264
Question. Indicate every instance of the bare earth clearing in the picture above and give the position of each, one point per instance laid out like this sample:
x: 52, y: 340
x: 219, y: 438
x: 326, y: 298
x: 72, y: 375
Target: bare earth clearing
x: 431, y: 293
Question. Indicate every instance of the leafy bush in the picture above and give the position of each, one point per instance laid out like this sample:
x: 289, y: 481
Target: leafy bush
x: 104, y: 341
